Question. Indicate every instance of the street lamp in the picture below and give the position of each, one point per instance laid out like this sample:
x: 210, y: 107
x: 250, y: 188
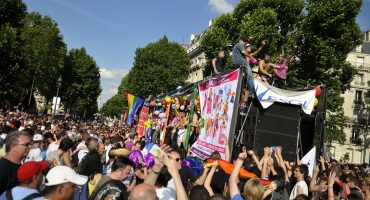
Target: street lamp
x: 59, y: 83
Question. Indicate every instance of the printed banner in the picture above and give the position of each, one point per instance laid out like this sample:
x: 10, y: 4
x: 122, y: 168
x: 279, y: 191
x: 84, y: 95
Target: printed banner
x: 267, y: 95
x: 217, y: 100
x: 143, y: 117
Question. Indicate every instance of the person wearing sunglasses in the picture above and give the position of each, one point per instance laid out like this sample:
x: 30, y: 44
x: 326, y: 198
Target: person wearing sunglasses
x: 17, y: 146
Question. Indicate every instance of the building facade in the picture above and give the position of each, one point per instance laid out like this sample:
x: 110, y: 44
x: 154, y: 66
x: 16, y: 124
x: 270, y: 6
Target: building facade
x: 356, y: 109
x: 197, y: 57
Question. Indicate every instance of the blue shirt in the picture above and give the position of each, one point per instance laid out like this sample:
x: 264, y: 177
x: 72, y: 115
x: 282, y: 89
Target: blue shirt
x: 238, y: 57
x: 21, y: 192
x: 237, y: 197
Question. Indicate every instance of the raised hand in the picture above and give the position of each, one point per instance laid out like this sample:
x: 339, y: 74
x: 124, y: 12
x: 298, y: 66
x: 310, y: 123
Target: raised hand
x: 331, y: 179
x: 166, y: 148
x: 243, y: 155
x: 316, y: 170
x: 267, y: 151
x: 278, y: 151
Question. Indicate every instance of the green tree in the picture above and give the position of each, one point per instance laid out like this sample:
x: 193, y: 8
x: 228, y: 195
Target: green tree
x: 45, y: 52
x: 115, y: 106
x: 328, y: 33
x: 159, y: 67
x: 81, y: 83
x: 13, y: 77
x: 325, y: 32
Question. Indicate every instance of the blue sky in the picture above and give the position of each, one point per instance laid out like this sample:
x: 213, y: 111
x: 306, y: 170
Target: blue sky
x: 112, y: 30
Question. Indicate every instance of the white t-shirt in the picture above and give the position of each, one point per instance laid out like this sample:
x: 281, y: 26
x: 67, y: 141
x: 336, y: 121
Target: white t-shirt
x: 52, y: 147
x: 181, y: 135
x: 34, y: 155
x: 168, y: 192
x: 82, y: 153
x: 301, y: 184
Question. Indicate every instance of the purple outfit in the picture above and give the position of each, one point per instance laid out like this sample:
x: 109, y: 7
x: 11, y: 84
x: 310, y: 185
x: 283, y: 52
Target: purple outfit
x: 282, y: 71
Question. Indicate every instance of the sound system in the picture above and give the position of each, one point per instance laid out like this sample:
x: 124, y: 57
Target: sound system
x: 281, y: 125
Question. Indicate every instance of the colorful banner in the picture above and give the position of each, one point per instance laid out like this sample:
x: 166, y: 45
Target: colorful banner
x: 142, y: 118
x: 133, y: 104
x: 217, y: 102
x: 267, y: 95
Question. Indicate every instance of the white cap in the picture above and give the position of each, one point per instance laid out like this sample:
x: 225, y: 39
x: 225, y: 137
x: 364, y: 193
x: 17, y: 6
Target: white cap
x: 37, y: 137
x: 63, y: 174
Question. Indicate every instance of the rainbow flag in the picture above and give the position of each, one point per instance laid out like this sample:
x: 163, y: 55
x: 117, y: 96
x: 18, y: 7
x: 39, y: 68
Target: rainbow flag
x: 133, y: 104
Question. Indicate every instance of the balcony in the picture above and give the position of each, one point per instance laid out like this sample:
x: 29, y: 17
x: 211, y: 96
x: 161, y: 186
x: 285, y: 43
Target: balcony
x: 361, y: 66
x: 357, y: 104
x: 356, y: 141
x: 362, y: 83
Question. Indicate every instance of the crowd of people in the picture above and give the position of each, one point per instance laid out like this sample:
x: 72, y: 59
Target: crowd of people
x: 49, y: 158
x: 58, y: 158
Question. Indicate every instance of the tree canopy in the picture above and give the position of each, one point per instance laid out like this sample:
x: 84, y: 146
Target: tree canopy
x: 81, y: 83
x: 159, y: 67
x: 31, y: 46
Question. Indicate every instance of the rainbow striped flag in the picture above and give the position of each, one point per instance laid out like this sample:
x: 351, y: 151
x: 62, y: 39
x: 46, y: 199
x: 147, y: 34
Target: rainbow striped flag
x: 133, y: 104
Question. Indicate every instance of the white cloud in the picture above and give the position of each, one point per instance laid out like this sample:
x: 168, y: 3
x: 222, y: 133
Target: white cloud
x: 112, y: 73
x: 221, y: 6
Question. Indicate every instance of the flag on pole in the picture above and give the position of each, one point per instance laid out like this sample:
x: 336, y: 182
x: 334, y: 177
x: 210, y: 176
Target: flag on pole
x: 310, y: 160
x: 188, y: 128
x: 133, y: 104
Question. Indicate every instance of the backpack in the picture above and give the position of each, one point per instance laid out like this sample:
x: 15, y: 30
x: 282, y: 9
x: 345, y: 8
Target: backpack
x: 32, y: 196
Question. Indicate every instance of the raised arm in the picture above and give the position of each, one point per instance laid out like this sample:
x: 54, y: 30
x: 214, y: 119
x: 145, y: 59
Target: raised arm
x: 254, y: 157
x: 227, y: 151
x: 202, y: 178
x: 291, y: 55
x: 313, y: 186
x: 331, y: 181
x: 259, y: 49
x: 207, y: 183
x: 233, y: 181
x: 174, y: 171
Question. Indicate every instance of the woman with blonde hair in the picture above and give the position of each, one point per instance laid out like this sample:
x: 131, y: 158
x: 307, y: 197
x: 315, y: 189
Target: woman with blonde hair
x: 253, y: 189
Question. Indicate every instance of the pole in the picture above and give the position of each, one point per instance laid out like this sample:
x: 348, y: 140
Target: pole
x: 33, y: 81
x: 56, y: 100
x: 365, y: 135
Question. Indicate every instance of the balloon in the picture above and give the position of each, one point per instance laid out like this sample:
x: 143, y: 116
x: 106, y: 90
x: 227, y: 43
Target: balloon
x: 168, y: 99
x: 182, y: 107
x: 149, y: 160
x: 156, y: 112
x: 253, y: 61
x: 173, y: 100
x: 162, y: 115
x: 318, y: 91
x: 153, y: 103
x: 159, y: 104
x: 316, y: 102
x: 185, y: 98
x: 145, y: 123
x: 173, y: 106
x: 177, y: 106
x: 163, y: 120
x: 136, y: 156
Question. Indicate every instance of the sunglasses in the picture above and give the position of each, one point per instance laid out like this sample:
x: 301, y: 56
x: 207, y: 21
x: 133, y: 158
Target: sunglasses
x: 27, y: 144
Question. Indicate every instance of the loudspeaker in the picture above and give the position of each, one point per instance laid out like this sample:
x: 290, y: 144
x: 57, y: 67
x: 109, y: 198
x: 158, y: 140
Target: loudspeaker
x: 278, y: 125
